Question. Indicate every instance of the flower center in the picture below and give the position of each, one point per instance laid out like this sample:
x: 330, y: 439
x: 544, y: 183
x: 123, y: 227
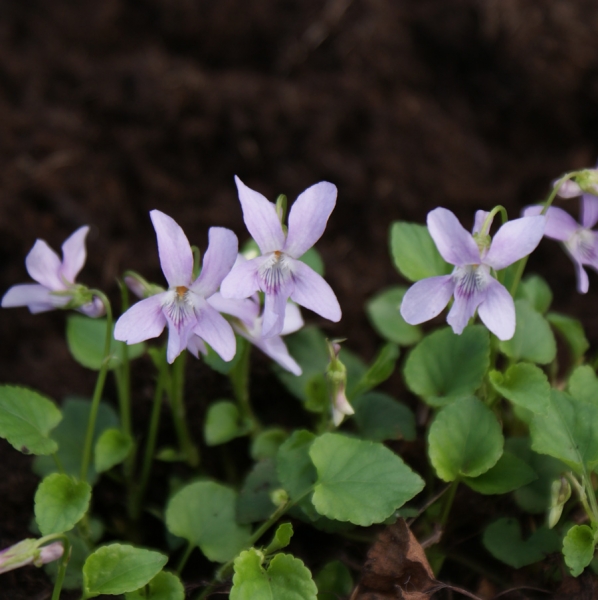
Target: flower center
x: 274, y: 272
x: 178, y: 306
x: 470, y: 279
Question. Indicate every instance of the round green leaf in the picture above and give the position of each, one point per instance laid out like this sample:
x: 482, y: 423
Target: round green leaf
x: 164, y: 586
x: 508, y: 474
x: 294, y: 466
x: 533, y: 339
x: 464, y: 439
x: 523, y: 384
x: 112, y: 447
x: 384, y: 315
x: 571, y: 330
x: 583, y: 384
x: 334, y: 581
x: 380, y: 417
x: 223, y: 423
x: 286, y: 578
x: 254, y: 503
x: 445, y: 366
x: 536, y: 291
x: 358, y: 481
x: 380, y: 370
x: 578, y: 548
x: 203, y: 513
x: 60, y: 503
x: 26, y: 419
x: 266, y: 444
x: 119, y: 568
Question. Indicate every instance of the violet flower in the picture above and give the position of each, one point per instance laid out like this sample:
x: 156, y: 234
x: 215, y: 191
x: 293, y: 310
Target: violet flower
x: 55, y: 287
x: 28, y: 552
x: 471, y: 281
x: 278, y: 272
x: 580, y: 242
x: 183, y: 307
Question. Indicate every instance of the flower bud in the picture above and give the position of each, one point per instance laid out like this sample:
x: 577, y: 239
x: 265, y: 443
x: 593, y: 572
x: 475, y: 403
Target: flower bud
x: 336, y: 374
x: 27, y: 552
x: 560, y: 492
x: 140, y: 286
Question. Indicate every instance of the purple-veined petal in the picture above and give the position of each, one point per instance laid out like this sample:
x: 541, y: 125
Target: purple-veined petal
x: 276, y: 349
x: 44, y: 265
x: 176, y: 257
x: 242, y: 281
x: 216, y: 331
x: 196, y: 346
x: 480, y: 217
x: 177, y: 342
x: 560, y: 225
x: 497, y: 311
x: 245, y: 309
x: 217, y: 261
x: 143, y: 321
x: 463, y: 309
x: 33, y: 294
x: 74, y: 254
x: 589, y: 210
x: 455, y: 244
x: 293, y: 321
x: 426, y: 299
x: 514, y: 240
x: 308, y: 217
x: 274, y: 311
x: 260, y: 219
x: 313, y: 292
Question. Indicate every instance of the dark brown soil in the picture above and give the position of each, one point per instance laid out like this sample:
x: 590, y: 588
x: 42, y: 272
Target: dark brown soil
x: 110, y: 109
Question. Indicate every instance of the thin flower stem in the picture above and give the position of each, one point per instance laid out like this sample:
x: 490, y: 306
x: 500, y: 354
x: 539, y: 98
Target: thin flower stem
x: 448, y: 502
x: 185, y: 558
x: 99, y: 388
x: 62, y: 565
x: 58, y: 462
x: 239, y: 377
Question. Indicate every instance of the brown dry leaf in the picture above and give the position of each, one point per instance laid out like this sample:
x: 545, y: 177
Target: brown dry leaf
x: 396, y: 568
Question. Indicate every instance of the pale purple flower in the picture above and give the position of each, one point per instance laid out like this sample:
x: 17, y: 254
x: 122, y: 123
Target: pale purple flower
x: 183, y: 307
x: 278, y: 272
x: 55, y: 287
x: 471, y: 282
x: 28, y: 552
x: 581, y: 243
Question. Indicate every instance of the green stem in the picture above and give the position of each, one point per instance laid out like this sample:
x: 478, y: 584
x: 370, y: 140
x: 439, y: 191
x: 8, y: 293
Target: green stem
x: 239, y: 377
x: 448, y: 502
x: 185, y: 558
x: 62, y: 565
x: 58, y: 463
x: 99, y: 388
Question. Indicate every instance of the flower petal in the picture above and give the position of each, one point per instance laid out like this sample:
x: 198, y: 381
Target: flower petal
x: 312, y: 291
x: 216, y: 331
x: 426, y: 299
x: 583, y: 282
x: 260, y: 218
x: 514, y: 240
x: 33, y: 295
x: 144, y: 320
x: 274, y: 311
x: 569, y: 189
x: 560, y: 225
x: 196, y: 346
x: 74, y: 254
x: 243, y: 280
x: 246, y: 309
x: 308, y: 217
x: 455, y: 244
x: 44, y: 265
x: 293, y: 321
x: 93, y: 309
x: 276, y: 349
x: 217, y: 261
x: 177, y: 342
x: 176, y: 257
x: 480, y: 217
x: 463, y: 309
x: 589, y: 210
x: 497, y: 311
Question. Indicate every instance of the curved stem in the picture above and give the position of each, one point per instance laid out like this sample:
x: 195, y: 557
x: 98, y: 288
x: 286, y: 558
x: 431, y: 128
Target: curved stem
x: 185, y: 558
x: 62, y: 565
x: 239, y: 377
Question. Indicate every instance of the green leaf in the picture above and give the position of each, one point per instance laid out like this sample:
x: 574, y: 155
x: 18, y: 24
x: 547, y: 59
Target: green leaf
x: 380, y: 370
x: 86, y: 339
x: 70, y: 435
x: 358, y: 481
x: 464, y: 439
x: 383, y: 313
x: 533, y: 340
x: 60, y: 503
x: 286, y: 578
x: 445, y: 366
x: 266, y: 444
x: 112, y: 448
x: 26, y: 420
x: 119, y: 568
x: 508, y: 474
x: 294, y: 466
x: 380, y: 417
x: 223, y: 423
x: 571, y: 330
x: 213, y: 360
x: 254, y: 503
x: 578, y: 548
x: 334, y: 581
x: 536, y: 291
x: 313, y: 259
x: 415, y: 253
x: 503, y: 540
x: 203, y: 513
x: 568, y: 431
x: 523, y: 384
x: 583, y: 384
x: 164, y: 586
x: 282, y: 538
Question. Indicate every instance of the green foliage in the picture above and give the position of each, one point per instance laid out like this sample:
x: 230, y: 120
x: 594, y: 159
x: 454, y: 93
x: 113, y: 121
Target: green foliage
x: 286, y: 578
x: 508, y: 474
x: 334, y: 581
x: 415, y: 253
x: 578, y: 548
x: 523, y: 384
x: 313, y: 259
x: 266, y: 444
x: 112, y: 448
x: 533, y: 340
x: 445, y: 366
x: 164, y: 586
x: 254, y: 502
x: 380, y: 370
x: 213, y: 360
x: 383, y: 313
x: 203, y: 513
x: 583, y: 384
x: 380, y: 417
x: 359, y: 481
x: 465, y: 439
x: 296, y: 471
x: 536, y: 291
x: 118, y: 568
x: 503, y: 540
x: 282, y: 538
x: 223, y: 423
x: 60, y: 503
x: 86, y: 339
x: 571, y: 330
x: 26, y: 420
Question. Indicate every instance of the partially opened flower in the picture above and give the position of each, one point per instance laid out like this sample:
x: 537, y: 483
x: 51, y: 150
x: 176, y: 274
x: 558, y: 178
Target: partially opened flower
x: 581, y: 243
x: 471, y: 282
x: 29, y: 552
x: 55, y: 287
x: 278, y: 272
x: 183, y: 307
